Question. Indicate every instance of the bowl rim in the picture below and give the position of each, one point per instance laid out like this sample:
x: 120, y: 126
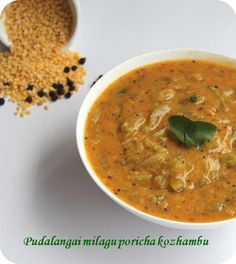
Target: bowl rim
x: 76, y: 9
x: 102, y: 84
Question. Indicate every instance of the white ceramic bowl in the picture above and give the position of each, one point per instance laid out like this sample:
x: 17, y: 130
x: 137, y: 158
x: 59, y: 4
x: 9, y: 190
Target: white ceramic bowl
x: 102, y: 85
x: 75, y: 9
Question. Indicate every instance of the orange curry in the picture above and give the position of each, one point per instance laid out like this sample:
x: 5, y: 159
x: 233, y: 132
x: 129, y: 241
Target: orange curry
x: 132, y: 150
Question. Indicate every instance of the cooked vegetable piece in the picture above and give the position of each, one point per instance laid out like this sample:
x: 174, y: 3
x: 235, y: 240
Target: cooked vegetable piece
x: 219, y: 96
x: 160, y: 132
x: 204, y: 181
x: 166, y: 94
x: 177, y: 184
x: 216, y: 207
x: 155, y: 159
x: 180, y: 167
x: 212, y: 169
x: 160, y: 181
x: 134, y: 124
x: 223, y: 146
x: 156, y: 117
x: 141, y: 176
x: 160, y: 200
x: 151, y: 144
x: 228, y: 92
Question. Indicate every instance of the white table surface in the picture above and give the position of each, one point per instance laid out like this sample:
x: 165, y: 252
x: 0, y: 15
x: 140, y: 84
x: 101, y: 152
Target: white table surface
x: 45, y: 189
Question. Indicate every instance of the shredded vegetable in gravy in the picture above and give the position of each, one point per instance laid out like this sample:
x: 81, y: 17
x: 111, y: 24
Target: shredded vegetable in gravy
x: 131, y: 148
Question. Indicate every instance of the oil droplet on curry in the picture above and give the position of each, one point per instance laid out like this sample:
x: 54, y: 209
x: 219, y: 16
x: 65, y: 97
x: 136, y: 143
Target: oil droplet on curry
x: 131, y: 149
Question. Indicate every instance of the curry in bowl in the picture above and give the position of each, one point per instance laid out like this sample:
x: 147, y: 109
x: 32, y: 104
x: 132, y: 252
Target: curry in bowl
x: 162, y: 138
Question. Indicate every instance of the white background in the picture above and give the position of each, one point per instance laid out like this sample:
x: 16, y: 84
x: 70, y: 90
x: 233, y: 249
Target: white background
x: 44, y: 188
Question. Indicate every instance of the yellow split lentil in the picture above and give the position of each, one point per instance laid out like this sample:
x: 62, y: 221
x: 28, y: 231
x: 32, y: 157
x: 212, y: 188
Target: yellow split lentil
x: 36, y: 70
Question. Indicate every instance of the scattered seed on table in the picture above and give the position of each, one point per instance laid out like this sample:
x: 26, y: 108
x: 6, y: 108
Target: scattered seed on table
x: 29, y: 99
x: 71, y: 87
x: 66, y: 69
x: 74, y: 68
x: 69, y: 81
x: 82, y: 61
x: 68, y: 95
x: 70, y: 84
x: 2, y: 101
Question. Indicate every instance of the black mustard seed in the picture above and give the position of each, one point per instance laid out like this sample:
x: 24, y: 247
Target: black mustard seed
x: 53, y: 95
x: 41, y: 93
x: 2, y: 101
x: 68, y: 95
x: 60, y: 90
x: 29, y: 99
x: 82, y: 61
x: 30, y: 87
x: 66, y: 69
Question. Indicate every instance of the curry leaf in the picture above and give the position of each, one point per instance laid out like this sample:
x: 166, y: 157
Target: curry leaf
x: 178, y: 126
x: 191, y: 133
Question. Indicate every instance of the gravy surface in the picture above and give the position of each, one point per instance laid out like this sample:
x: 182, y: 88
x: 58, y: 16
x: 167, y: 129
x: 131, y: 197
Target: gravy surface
x: 131, y: 149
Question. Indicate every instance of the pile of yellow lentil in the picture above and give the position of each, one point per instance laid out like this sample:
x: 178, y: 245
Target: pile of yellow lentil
x: 36, y: 70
